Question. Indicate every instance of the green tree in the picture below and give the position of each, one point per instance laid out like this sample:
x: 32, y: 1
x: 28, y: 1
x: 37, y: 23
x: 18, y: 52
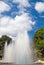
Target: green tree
x: 4, y: 39
x: 39, y: 42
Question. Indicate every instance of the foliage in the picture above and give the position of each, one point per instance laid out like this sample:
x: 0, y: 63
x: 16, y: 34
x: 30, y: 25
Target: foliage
x: 4, y: 39
x: 39, y: 42
x: 1, y: 52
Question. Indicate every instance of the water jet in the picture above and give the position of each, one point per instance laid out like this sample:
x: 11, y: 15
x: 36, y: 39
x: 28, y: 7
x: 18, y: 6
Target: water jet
x: 19, y: 51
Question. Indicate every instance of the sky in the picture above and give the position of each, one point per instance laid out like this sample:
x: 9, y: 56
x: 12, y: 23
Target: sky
x: 20, y: 15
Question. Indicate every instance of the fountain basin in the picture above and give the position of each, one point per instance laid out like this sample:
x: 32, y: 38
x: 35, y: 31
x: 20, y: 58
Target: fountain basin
x: 3, y: 62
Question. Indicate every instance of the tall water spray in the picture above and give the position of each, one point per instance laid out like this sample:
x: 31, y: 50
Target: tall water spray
x: 23, y: 52
x: 9, y: 52
x: 19, y: 52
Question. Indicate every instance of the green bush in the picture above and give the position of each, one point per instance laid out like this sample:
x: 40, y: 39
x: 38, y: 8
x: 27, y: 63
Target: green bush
x: 39, y: 42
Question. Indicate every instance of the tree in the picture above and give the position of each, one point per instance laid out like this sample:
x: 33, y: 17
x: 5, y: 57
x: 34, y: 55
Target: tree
x: 4, y: 39
x: 39, y: 42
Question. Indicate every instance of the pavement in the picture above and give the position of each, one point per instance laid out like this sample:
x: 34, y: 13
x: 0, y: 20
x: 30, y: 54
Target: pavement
x: 39, y: 62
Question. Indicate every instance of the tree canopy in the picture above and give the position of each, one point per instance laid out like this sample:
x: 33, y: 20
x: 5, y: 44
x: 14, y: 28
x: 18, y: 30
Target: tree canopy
x: 39, y: 41
x: 4, y: 39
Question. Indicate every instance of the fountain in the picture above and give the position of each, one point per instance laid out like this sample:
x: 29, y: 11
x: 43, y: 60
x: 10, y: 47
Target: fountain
x: 19, y: 51
x: 8, y: 52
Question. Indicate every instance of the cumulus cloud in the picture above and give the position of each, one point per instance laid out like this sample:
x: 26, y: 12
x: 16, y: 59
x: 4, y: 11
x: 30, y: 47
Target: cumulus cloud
x: 10, y: 26
x: 39, y: 6
x: 22, y: 4
x: 4, y: 7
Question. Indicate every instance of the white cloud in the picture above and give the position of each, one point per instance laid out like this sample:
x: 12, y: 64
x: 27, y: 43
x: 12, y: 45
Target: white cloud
x: 22, y: 4
x: 11, y: 26
x: 39, y: 6
x: 4, y: 21
x: 4, y: 7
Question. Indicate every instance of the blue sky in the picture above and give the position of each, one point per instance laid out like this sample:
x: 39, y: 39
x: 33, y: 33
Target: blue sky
x: 18, y: 15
